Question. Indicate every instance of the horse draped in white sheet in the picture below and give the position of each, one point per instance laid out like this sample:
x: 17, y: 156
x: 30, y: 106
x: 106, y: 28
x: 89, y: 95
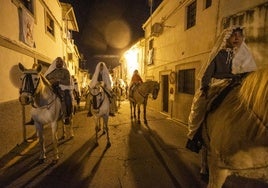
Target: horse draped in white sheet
x: 236, y: 133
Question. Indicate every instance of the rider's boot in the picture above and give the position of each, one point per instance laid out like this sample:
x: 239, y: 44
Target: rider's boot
x: 68, y: 107
x: 31, y: 122
x: 195, y: 144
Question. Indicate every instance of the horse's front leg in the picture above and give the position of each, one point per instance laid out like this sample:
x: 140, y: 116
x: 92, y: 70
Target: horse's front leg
x: 134, y: 110
x: 139, y: 112
x: 54, y: 127
x: 105, y: 124
x: 217, y: 176
x: 144, y: 113
x: 97, y: 129
x: 68, y: 129
x: 39, y: 129
x: 63, y: 130
x: 71, y: 128
x: 204, y: 164
x: 131, y: 110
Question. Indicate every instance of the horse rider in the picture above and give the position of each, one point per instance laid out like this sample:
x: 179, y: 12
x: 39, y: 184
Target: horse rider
x: 230, y: 60
x: 76, y: 91
x: 59, y: 77
x: 135, y: 80
x: 102, y: 77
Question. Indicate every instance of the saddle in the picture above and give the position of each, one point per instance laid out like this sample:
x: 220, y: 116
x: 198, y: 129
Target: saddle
x: 132, y: 89
x: 66, y: 102
x: 219, y: 93
x: 217, y: 100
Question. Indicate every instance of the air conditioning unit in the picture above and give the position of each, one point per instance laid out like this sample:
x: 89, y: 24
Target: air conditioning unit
x: 156, y: 29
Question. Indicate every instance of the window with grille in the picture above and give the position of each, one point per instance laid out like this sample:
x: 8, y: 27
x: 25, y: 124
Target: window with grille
x: 208, y: 3
x: 191, y: 15
x: 186, y: 81
x: 50, y: 28
x: 150, y: 52
x: 28, y: 4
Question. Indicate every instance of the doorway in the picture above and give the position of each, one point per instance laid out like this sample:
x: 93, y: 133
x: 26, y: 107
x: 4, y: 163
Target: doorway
x: 165, y: 93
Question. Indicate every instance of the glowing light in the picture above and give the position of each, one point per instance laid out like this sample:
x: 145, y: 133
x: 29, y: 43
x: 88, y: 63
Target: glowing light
x: 131, y: 57
x: 117, y: 34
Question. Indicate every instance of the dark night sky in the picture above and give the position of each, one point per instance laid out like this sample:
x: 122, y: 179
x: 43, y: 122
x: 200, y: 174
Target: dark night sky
x: 108, y: 27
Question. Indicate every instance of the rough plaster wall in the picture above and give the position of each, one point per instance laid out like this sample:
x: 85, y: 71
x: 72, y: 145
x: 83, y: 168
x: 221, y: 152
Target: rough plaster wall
x: 11, y: 125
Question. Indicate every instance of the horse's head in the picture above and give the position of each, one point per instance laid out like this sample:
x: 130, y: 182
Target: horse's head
x: 156, y: 89
x: 97, y: 94
x: 96, y: 90
x: 29, y: 83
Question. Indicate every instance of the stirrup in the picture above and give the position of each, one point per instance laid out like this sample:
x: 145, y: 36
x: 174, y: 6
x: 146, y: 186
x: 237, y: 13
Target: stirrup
x: 194, y: 145
x: 31, y: 122
x: 66, y: 120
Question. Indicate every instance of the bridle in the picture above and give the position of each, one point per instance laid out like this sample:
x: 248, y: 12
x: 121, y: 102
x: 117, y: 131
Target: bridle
x: 94, y: 102
x: 29, y: 87
x: 28, y: 84
x: 154, y: 92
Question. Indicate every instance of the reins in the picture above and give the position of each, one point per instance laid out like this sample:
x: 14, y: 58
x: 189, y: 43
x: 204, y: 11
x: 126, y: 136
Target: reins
x: 29, y: 88
x: 28, y: 84
x: 46, y: 105
x: 94, y: 99
x: 258, y: 118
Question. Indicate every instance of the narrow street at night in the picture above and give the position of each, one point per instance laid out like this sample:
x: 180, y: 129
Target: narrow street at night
x: 202, y: 66
x: 150, y: 155
x: 139, y: 156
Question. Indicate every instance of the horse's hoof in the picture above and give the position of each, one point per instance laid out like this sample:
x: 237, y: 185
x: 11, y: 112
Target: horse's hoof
x: 96, y: 144
x: 145, y: 122
x: 54, y: 161
x: 41, y: 161
x: 204, y: 177
x: 139, y: 122
x: 108, y: 144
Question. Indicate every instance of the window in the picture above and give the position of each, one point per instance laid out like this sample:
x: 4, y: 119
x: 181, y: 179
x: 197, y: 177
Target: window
x: 226, y: 22
x: 208, y: 3
x: 70, y: 56
x: 191, y: 15
x: 28, y: 4
x: 241, y: 19
x: 151, y: 52
x: 151, y: 44
x: 50, y: 25
x: 186, y: 81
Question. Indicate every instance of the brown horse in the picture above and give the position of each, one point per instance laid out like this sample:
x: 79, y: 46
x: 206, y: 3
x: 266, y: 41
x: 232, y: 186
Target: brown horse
x: 140, y: 97
x: 236, y: 133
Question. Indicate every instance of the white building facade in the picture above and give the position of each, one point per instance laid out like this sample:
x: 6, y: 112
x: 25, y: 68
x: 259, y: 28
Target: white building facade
x: 179, y: 36
x: 32, y: 32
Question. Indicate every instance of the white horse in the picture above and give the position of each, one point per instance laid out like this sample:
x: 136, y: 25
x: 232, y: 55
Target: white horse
x: 236, y: 133
x: 46, y: 105
x: 140, y: 97
x: 100, y: 107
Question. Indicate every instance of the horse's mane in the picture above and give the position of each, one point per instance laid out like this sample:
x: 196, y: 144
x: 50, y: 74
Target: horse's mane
x: 254, y: 93
x: 45, y: 81
x: 149, y: 82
